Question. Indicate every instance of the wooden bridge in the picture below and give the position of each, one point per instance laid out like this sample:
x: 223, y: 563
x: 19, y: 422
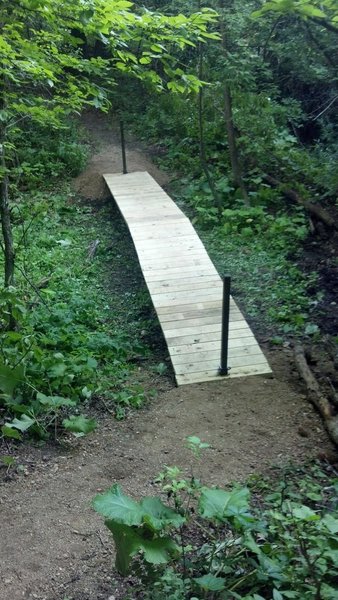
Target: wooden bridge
x: 184, y: 285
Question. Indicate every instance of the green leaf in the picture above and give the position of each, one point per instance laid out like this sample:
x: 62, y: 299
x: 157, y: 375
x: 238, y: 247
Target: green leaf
x: 220, y: 505
x: 7, y: 460
x: 114, y: 505
x: 129, y: 542
x: 211, y: 583
x: 54, y: 402
x: 57, y: 370
x: 304, y: 513
x: 22, y: 424
x: 79, y: 424
x: 10, y: 433
x: 10, y: 378
x: 331, y: 523
x: 159, y: 551
x: 157, y: 515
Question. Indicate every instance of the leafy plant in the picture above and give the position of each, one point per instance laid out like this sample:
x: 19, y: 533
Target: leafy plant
x: 69, y: 345
x: 286, y: 549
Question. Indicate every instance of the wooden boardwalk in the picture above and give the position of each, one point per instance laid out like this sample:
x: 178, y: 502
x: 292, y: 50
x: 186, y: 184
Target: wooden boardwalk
x: 184, y: 285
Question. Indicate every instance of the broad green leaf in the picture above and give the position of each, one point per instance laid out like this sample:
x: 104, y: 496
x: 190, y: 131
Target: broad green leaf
x: 331, y: 523
x: 9, y: 432
x: 79, y: 424
x: 304, y: 513
x: 157, y: 515
x: 271, y: 568
x: 159, y: 551
x: 10, y: 378
x: 114, y: 505
x: 129, y: 542
x: 22, y: 424
x: 150, y: 511
x: 54, y: 401
x: 57, y: 370
x: 220, y: 505
x: 211, y: 583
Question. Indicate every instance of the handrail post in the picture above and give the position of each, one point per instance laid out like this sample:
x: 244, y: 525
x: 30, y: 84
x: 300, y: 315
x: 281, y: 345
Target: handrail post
x: 224, y: 369
x: 123, y: 146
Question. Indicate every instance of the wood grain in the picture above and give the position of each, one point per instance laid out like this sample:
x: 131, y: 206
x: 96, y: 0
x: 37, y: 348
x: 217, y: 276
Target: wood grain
x: 184, y: 285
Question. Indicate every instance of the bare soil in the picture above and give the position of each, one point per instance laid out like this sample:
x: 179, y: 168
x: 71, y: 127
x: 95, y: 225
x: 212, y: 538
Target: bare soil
x: 53, y: 545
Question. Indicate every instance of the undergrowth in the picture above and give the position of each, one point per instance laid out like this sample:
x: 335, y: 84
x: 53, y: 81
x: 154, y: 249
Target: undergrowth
x: 78, y: 332
x: 270, y: 539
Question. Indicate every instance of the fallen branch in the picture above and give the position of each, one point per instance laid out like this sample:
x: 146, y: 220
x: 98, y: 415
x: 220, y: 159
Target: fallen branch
x: 317, y: 212
x: 315, y: 395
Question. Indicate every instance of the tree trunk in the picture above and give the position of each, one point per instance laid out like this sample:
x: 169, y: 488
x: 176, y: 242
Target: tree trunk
x: 203, y: 159
x: 5, y: 215
x: 315, y: 395
x: 229, y: 122
x: 314, y: 210
x: 6, y: 232
x: 233, y: 150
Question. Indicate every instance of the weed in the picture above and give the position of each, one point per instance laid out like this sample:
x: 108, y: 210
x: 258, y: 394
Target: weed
x: 70, y: 346
x: 282, y: 546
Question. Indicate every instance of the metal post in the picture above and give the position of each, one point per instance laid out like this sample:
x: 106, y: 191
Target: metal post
x: 224, y: 369
x: 123, y: 146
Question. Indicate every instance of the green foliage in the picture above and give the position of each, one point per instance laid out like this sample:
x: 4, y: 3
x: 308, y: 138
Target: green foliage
x: 45, y: 155
x: 270, y: 285
x: 79, y: 425
x: 194, y: 444
x: 138, y: 527
x: 69, y: 347
x: 281, y: 546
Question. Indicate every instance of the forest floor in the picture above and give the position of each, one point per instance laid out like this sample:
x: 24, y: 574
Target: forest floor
x: 53, y: 545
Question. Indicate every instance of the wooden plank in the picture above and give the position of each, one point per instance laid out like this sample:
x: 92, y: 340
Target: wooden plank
x: 185, y: 287
x: 197, y: 314
x: 176, y: 268
x: 234, y: 344
x: 164, y: 259
x: 214, y: 355
x: 193, y: 306
x: 208, y: 336
x: 178, y: 298
x: 213, y: 375
x: 202, y: 328
x: 199, y: 322
x: 160, y: 234
x: 237, y: 361
x: 156, y: 265
x: 185, y: 241
x: 185, y: 246
x: 196, y: 272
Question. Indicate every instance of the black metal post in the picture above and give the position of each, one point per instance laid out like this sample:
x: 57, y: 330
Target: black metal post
x: 224, y: 369
x: 123, y: 146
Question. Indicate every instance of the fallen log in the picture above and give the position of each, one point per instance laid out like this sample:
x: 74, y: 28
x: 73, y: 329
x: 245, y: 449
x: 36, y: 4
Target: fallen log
x: 314, y: 210
x: 315, y: 395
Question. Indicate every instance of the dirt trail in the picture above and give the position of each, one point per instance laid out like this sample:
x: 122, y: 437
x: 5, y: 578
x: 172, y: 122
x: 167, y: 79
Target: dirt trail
x: 53, y: 546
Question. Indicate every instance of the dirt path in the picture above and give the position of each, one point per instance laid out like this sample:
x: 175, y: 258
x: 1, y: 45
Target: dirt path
x: 53, y: 546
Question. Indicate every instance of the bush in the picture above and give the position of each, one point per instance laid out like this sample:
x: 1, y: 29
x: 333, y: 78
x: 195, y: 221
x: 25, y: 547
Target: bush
x: 213, y: 543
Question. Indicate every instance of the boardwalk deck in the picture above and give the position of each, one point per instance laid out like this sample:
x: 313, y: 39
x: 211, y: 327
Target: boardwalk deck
x: 184, y: 285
